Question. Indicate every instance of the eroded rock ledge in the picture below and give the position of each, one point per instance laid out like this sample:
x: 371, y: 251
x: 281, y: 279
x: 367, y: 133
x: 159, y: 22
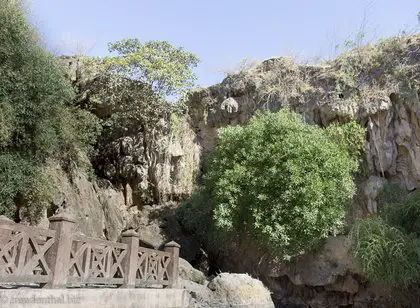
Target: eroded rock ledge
x: 379, y: 86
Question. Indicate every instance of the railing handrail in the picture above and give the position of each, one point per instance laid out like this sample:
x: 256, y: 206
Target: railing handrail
x: 98, y: 241
x: 149, y: 250
x: 12, y: 226
x: 57, y: 256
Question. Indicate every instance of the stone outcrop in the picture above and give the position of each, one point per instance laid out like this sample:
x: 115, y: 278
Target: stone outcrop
x: 324, y: 267
x: 378, y: 86
x: 101, y: 211
x: 229, y: 290
x: 188, y: 272
x: 328, y: 278
x: 153, y: 155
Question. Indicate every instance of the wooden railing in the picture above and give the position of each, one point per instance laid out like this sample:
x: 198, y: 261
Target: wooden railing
x: 58, y: 258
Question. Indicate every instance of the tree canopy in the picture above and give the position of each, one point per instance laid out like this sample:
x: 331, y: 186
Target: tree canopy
x: 37, y: 117
x: 165, y: 68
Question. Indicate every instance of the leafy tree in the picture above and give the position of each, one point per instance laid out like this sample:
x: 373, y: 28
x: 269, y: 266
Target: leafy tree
x: 129, y: 90
x: 284, y: 181
x: 137, y: 81
x: 350, y: 137
x: 37, y: 119
x: 166, y: 69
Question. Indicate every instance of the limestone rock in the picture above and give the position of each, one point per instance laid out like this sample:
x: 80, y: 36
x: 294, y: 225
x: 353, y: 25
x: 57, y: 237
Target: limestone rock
x: 240, y: 289
x: 4, y: 218
x: 229, y: 290
x: 347, y: 285
x: 188, y: 272
x: 159, y: 165
x: 114, y: 211
x: 387, y: 109
x: 371, y: 189
x: 324, y: 267
x: 77, y: 194
x: 230, y: 105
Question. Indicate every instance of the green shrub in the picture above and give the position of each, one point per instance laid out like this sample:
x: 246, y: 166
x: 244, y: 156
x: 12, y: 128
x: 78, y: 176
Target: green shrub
x: 386, y: 254
x: 195, y: 215
x: 350, y: 137
x: 37, y: 119
x: 388, y: 246
x: 284, y: 181
x: 400, y: 209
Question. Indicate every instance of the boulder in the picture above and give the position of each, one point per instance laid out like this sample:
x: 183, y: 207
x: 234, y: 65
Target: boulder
x: 240, y: 289
x: 229, y: 290
x: 188, y: 272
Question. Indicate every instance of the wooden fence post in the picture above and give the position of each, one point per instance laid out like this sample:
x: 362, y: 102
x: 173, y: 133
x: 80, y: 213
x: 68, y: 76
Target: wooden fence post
x: 5, y: 236
x: 130, y: 262
x: 173, y: 267
x: 58, y: 256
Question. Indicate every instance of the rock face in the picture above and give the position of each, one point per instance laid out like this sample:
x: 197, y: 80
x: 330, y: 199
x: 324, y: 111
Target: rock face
x: 101, y: 211
x: 371, y: 188
x: 188, y: 272
x: 325, y: 267
x: 378, y: 86
x: 329, y: 278
x: 153, y: 162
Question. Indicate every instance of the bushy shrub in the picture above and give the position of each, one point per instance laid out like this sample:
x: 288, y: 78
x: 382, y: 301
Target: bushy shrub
x: 284, y: 181
x: 388, y: 246
x: 37, y: 119
x: 350, y: 137
x: 386, y: 253
x: 400, y: 209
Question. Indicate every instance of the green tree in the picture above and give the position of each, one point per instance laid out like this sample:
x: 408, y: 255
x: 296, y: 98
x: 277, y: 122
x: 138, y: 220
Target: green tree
x: 282, y: 180
x: 350, y: 137
x: 129, y: 91
x: 166, y: 69
x: 37, y: 119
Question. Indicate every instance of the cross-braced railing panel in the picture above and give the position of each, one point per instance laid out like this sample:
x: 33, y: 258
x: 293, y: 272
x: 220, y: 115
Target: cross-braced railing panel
x: 152, y: 267
x: 22, y: 253
x: 96, y: 261
x: 58, y: 258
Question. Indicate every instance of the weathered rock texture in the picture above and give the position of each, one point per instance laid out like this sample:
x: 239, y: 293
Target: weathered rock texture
x: 153, y: 156
x: 101, y: 211
x: 229, y: 290
x: 379, y: 86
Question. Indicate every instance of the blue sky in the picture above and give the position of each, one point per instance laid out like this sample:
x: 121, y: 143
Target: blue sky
x: 221, y: 33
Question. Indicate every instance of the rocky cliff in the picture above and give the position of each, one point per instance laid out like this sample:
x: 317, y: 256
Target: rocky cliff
x: 378, y: 85
x: 136, y: 181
